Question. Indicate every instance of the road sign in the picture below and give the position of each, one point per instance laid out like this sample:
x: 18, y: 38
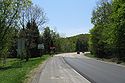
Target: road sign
x: 40, y: 46
x: 52, y: 48
x: 21, y: 47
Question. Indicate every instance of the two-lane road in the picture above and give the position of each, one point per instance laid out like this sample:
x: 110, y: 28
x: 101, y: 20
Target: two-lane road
x: 97, y: 71
x: 57, y: 71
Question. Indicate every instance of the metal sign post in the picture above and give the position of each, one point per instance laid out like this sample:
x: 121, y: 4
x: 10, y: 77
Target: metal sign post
x: 41, y: 47
x: 21, y: 48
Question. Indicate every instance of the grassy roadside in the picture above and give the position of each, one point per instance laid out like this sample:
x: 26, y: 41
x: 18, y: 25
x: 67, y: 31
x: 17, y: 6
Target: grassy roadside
x: 16, y: 71
x: 113, y: 60
x: 89, y: 55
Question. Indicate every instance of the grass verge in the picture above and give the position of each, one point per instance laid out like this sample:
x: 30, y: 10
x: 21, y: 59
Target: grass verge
x: 16, y: 71
x: 89, y: 55
x: 113, y: 60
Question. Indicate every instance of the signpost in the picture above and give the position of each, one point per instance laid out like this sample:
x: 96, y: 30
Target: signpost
x: 21, y: 48
x: 41, y: 47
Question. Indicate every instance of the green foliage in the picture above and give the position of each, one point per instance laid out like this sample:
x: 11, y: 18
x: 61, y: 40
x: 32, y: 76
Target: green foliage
x: 51, y: 39
x: 32, y: 36
x: 30, y: 20
x: 69, y: 44
x: 118, y: 17
x: 107, y: 37
x: 101, y: 43
x: 47, y: 39
x: 9, y: 15
x: 16, y: 71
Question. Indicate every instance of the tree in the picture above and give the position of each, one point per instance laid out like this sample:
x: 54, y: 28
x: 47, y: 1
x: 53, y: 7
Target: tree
x: 74, y: 43
x: 47, y: 39
x: 32, y: 19
x: 51, y: 39
x: 118, y: 24
x: 107, y: 36
x: 99, y: 39
x: 33, y: 13
x: 9, y: 14
x: 32, y: 36
x: 78, y: 45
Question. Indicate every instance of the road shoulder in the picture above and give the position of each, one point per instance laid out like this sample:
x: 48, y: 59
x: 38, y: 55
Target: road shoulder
x: 102, y: 60
x: 33, y: 76
x: 57, y: 70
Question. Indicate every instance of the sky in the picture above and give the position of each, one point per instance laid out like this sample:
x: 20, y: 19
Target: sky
x: 68, y: 17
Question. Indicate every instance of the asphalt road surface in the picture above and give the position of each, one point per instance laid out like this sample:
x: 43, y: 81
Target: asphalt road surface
x: 97, y: 71
x: 57, y: 71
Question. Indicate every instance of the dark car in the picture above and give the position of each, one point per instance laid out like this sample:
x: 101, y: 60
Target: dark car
x: 78, y: 52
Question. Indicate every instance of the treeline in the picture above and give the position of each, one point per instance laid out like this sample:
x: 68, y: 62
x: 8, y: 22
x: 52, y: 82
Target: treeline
x: 51, y: 41
x: 10, y: 16
x: 20, y: 21
x: 107, y: 38
x: 74, y: 43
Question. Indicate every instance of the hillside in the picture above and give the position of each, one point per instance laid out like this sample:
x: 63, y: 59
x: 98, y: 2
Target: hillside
x: 68, y: 44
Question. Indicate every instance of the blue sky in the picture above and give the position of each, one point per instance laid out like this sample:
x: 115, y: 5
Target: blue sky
x: 68, y: 17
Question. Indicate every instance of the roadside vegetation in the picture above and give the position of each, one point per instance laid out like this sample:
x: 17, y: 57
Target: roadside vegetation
x: 107, y: 38
x: 75, y: 43
x: 89, y: 55
x: 20, y: 22
x: 15, y: 71
x: 112, y: 60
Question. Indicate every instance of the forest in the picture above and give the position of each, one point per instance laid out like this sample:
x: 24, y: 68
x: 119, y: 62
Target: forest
x: 107, y: 37
x: 75, y: 43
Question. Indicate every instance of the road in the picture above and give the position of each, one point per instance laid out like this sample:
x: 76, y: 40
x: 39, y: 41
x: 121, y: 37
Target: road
x: 97, y: 71
x: 57, y: 71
